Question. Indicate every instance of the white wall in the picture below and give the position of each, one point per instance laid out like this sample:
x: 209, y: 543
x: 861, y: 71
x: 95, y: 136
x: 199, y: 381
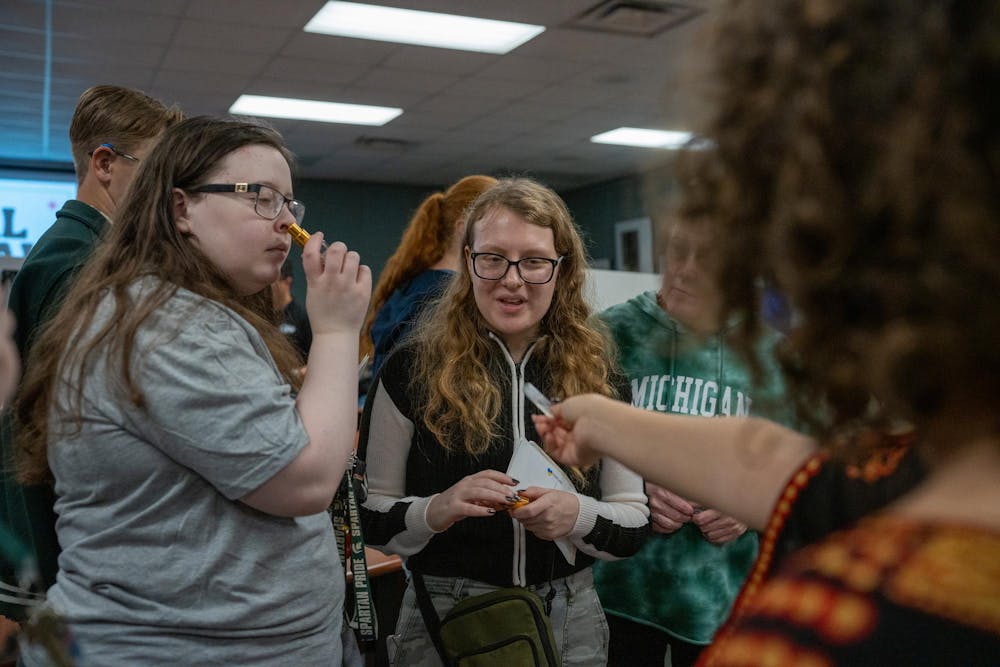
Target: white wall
x: 606, y: 288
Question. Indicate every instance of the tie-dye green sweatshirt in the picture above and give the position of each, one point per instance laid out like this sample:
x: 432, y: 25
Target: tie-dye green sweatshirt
x: 681, y: 583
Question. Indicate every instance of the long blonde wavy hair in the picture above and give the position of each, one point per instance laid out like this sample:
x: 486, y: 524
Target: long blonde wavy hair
x: 427, y: 239
x: 453, y: 345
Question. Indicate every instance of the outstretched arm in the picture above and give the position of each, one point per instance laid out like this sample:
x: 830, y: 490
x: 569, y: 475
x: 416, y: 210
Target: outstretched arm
x: 738, y: 465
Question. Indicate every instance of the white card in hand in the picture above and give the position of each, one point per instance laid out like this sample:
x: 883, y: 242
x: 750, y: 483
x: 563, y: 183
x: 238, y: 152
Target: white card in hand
x: 531, y: 466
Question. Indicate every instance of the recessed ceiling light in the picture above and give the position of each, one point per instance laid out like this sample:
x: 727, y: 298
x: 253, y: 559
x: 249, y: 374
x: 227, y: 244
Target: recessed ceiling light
x: 325, y: 112
x: 637, y: 136
x: 408, y: 26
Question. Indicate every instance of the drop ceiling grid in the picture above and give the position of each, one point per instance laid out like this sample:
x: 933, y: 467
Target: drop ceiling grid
x: 534, y: 108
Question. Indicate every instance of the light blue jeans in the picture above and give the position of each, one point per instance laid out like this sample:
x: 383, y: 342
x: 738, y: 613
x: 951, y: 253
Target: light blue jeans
x: 578, y: 623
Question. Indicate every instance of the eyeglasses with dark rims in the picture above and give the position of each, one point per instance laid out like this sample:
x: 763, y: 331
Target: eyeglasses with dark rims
x: 267, y: 203
x: 532, y: 270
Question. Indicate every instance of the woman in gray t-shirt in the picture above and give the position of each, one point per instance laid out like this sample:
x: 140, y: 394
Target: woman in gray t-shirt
x: 192, y: 464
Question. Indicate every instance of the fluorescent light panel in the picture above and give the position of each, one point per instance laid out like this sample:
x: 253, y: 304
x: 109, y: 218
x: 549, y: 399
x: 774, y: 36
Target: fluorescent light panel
x: 637, y: 136
x: 408, y: 26
x: 325, y: 112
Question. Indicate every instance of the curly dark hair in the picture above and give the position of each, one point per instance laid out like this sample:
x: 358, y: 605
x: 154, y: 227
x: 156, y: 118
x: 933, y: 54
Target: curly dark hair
x: 856, y: 161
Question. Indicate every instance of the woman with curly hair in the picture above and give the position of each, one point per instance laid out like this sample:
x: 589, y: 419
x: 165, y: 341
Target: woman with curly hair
x: 427, y: 257
x: 872, y: 197
x: 441, y: 425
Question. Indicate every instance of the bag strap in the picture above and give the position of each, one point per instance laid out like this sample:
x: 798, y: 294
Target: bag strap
x: 431, y: 619
x: 346, y: 519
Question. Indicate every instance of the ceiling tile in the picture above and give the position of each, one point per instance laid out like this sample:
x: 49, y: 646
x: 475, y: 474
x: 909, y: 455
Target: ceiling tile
x: 207, y: 81
x: 93, y: 22
x: 580, y: 45
x: 238, y: 37
x: 387, y: 78
x: 448, y: 61
x: 505, y: 89
x: 338, y: 49
x: 546, y: 70
x: 256, y: 12
x: 223, y: 61
x: 307, y: 69
x: 529, y: 111
x: 94, y: 52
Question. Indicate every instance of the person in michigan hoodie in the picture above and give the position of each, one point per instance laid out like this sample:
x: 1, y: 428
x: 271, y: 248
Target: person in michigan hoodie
x: 674, y: 594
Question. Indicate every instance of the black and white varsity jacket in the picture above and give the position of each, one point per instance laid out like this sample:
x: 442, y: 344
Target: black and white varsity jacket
x: 407, y: 466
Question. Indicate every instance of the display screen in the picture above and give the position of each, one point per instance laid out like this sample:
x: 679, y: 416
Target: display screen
x: 28, y: 208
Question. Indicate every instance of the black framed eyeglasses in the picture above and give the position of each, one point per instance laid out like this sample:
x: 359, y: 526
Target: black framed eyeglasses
x: 114, y: 150
x: 532, y: 270
x: 268, y: 202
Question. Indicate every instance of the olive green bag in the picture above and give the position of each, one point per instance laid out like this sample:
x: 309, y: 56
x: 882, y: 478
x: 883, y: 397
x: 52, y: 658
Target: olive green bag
x: 507, y: 626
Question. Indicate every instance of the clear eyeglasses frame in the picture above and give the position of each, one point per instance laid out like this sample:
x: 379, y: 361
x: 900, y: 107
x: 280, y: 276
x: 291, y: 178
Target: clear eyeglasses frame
x: 532, y: 270
x: 117, y: 152
x: 268, y: 202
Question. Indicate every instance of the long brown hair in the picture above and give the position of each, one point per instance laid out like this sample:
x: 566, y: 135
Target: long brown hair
x: 429, y: 235
x: 463, y: 402
x: 856, y: 161
x: 144, y: 241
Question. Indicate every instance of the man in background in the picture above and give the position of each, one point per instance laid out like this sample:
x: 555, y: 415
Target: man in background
x: 293, y: 319
x: 112, y: 130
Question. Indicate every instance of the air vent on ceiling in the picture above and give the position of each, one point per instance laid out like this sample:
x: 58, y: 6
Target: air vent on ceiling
x: 641, y: 18
x: 385, y: 144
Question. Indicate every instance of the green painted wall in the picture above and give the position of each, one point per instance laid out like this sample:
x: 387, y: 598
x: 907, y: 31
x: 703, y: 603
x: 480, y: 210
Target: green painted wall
x: 368, y: 217
x: 597, y: 208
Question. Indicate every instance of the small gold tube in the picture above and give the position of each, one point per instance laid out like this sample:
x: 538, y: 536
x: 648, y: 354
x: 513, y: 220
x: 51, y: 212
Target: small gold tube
x: 298, y: 234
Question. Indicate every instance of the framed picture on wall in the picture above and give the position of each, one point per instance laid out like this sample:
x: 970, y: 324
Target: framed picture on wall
x: 634, y: 245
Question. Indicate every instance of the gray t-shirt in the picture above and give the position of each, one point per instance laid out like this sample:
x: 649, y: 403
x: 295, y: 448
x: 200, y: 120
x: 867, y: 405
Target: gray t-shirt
x: 161, y: 563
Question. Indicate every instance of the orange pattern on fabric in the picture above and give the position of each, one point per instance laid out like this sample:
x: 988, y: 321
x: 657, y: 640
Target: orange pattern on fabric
x: 861, y: 560
x: 955, y: 574
x: 881, y: 464
x: 839, y: 617
x: 728, y: 648
x: 952, y: 572
x: 765, y: 551
x: 944, y: 570
x: 764, y: 650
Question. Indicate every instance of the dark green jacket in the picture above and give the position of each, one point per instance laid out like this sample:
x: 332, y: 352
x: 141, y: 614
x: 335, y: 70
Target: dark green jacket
x: 36, y: 292
x: 681, y: 583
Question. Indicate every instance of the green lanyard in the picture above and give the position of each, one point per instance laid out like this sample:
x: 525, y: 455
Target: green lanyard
x: 347, y: 527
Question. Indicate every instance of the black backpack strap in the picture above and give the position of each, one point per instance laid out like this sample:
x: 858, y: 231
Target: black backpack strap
x: 431, y: 619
